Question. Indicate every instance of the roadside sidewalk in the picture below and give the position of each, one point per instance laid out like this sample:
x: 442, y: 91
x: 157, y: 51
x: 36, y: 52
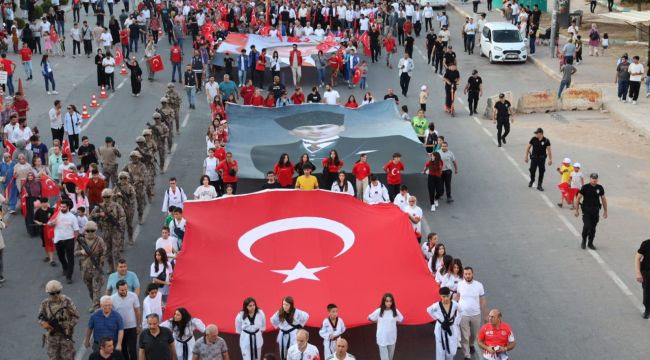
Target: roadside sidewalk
x: 597, y: 72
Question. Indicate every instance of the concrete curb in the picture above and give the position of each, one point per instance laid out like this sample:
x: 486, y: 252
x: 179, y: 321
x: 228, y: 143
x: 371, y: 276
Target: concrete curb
x: 615, y: 7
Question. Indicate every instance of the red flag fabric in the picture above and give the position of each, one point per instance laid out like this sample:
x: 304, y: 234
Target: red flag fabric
x: 265, y: 30
x: 118, y: 56
x: 223, y: 24
x: 156, y: 64
x: 336, y: 252
x: 8, y: 188
x: 568, y: 193
x: 23, y: 201
x: 49, y: 230
x: 73, y: 177
x: 357, y: 75
x: 48, y: 186
x: 10, y: 147
x: 66, y: 148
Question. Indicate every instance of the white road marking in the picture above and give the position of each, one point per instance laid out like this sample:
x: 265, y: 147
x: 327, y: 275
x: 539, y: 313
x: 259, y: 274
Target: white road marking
x: 122, y: 83
x: 486, y: 131
x: 169, y: 157
x: 476, y: 119
x: 460, y: 100
x: 548, y: 201
x: 92, y: 118
x: 187, y: 117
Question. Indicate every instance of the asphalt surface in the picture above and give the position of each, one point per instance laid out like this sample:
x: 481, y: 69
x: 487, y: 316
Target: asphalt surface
x: 562, y: 302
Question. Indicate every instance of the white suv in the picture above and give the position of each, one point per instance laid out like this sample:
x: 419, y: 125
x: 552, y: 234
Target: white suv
x: 435, y: 3
x: 502, y: 42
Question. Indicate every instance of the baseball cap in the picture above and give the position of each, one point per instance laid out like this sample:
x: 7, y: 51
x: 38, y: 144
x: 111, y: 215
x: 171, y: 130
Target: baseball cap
x: 502, y: 95
x: 539, y: 131
x: 566, y: 161
x: 424, y: 87
x: 593, y: 176
x: 577, y: 165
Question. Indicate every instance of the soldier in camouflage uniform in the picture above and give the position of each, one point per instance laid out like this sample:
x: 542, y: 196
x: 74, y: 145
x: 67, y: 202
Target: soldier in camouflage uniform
x: 92, y: 275
x: 108, y: 155
x: 137, y: 172
x: 168, y: 115
x: 175, y: 100
x: 153, y: 147
x: 149, y: 161
x: 111, y: 221
x: 160, y: 133
x: 124, y: 194
x: 58, y: 316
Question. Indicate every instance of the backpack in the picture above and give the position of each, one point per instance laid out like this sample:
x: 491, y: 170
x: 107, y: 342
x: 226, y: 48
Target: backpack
x: 593, y: 35
x: 432, y: 138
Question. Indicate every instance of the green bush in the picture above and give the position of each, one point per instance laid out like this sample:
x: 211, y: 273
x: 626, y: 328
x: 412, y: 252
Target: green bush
x: 20, y: 23
x: 63, y: 2
x: 38, y: 11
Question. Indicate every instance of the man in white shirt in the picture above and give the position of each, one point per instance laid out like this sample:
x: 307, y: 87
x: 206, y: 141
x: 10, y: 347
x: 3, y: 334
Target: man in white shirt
x: 127, y: 304
x: 341, y: 351
x: 302, y: 350
x: 107, y: 40
x: 471, y: 302
x: 405, y: 67
x: 319, y: 32
x: 66, y: 230
x: 376, y: 192
x: 174, y: 196
x: 470, y: 33
x: 10, y: 129
x: 109, y: 71
x: 636, y: 75
x: 308, y: 29
x: 45, y: 25
x: 209, y: 168
x: 427, y: 13
x: 402, y: 199
x: 211, y: 90
x: 56, y: 121
x: 23, y: 132
x: 415, y: 216
x: 331, y: 96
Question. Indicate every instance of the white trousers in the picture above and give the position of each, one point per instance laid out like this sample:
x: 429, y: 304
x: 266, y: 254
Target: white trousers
x: 386, y: 352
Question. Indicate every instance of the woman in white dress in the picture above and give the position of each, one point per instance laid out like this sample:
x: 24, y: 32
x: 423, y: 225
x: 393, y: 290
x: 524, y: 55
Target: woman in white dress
x: 442, y: 275
x: 205, y: 191
x: 342, y: 185
x: 288, y: 319
x: 455, y: 276
x: 250, y: 323
x: 161, y: 271
x: 436, y: 261
x: 183, y: 326
x: 387, y: 317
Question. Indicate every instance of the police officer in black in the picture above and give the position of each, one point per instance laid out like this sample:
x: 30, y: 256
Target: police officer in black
x: 642, y: 269
x: 502, y: 116
x: 541, y: 149
x: 592, y: 195
x: 473, y: 89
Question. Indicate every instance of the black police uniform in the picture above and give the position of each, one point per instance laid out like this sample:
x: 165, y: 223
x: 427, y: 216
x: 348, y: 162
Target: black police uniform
x: 644, y: 250
x: 590, y: 211
x: 473, y: 92
x: 538, y: 159
x: 503, y: 120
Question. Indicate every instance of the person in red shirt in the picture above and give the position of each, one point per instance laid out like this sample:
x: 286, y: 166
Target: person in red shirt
x: 284, y: 171
x: 434, y: 182
x: 219, y: 152
x: 176, y: 57
x: 270, y: 100
x: 124, y: 41
x: 331, y: 167
x: 408, y: 27
x: 496, y: 337
x: 389, y: 44
x: 94, y: 189
x: 26, y: 58
x: 9, y: 68
x: 393, y: 171
x: 228, y: 170
x: 352, y: 103
x: 260, y: 68
x: 21, y: 106
x: 298, y: 97
x: 247, y: 92
x: 361, y: 171
x: 295, y: 62
x: 257, y: 99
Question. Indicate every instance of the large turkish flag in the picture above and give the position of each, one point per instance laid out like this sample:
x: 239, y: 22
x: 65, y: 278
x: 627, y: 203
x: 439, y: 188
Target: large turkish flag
x: 317, y: 246
x: 156, y: 64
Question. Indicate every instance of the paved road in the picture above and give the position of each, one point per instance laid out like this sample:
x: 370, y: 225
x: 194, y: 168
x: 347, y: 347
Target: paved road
x: 561, y: 301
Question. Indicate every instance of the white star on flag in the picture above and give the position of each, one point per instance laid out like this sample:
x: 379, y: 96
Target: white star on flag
x: 300, y: 272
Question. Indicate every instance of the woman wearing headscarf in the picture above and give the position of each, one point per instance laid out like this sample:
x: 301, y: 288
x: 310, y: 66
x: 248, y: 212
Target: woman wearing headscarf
x: 136, y: 76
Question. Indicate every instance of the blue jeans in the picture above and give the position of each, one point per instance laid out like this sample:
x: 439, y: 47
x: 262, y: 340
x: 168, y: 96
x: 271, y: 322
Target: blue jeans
x: 180, y: 44
x: 60, y: 28
x: 647, y: 85
x: 176, y: 66
x: 28, y: 68
x: 321, y: 76
x: 623, y: 85
x: 191, y: 95
x: 10, y: 84
x: 242, y: 76
x: 470, y: 42
x: 133, y: 44
x: 362, y: 83
x: 49, y: 78
x: 563, y: 84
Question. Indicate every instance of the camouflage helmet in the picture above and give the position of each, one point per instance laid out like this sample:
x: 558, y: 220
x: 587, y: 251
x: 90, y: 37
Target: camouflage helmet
x: 170, y: 85
x: 164, y: 99
x: 146, y: 132
x: 91, y: 225
x: 157, y: 115
x: 140, y: 139
x: 135, y: 154
x: 53, y: 286
x: 123, y: 175
x: 107, y: 193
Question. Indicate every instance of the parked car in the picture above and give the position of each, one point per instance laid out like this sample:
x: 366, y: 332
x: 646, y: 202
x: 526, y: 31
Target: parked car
x: 436, y: 4
x: 502, y: 42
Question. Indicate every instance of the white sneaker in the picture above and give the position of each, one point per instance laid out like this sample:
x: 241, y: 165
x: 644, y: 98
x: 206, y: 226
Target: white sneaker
x: 435, y: 203
x: 633, y: 102
x: 433, y: 208
x: 49, y: 93
x: 647, y: 95
x: 55, y: 92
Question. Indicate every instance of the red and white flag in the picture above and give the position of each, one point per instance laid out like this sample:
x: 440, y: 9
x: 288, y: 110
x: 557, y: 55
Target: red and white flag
x: 10, y: 147
x: 342, y: 251
x: 66, y: 148
x: 80, y: 181
x: 156, y: 64
x: 48, y: 186
x: 23, y: 201
x: 49, y: 230
x: 118, y: 56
